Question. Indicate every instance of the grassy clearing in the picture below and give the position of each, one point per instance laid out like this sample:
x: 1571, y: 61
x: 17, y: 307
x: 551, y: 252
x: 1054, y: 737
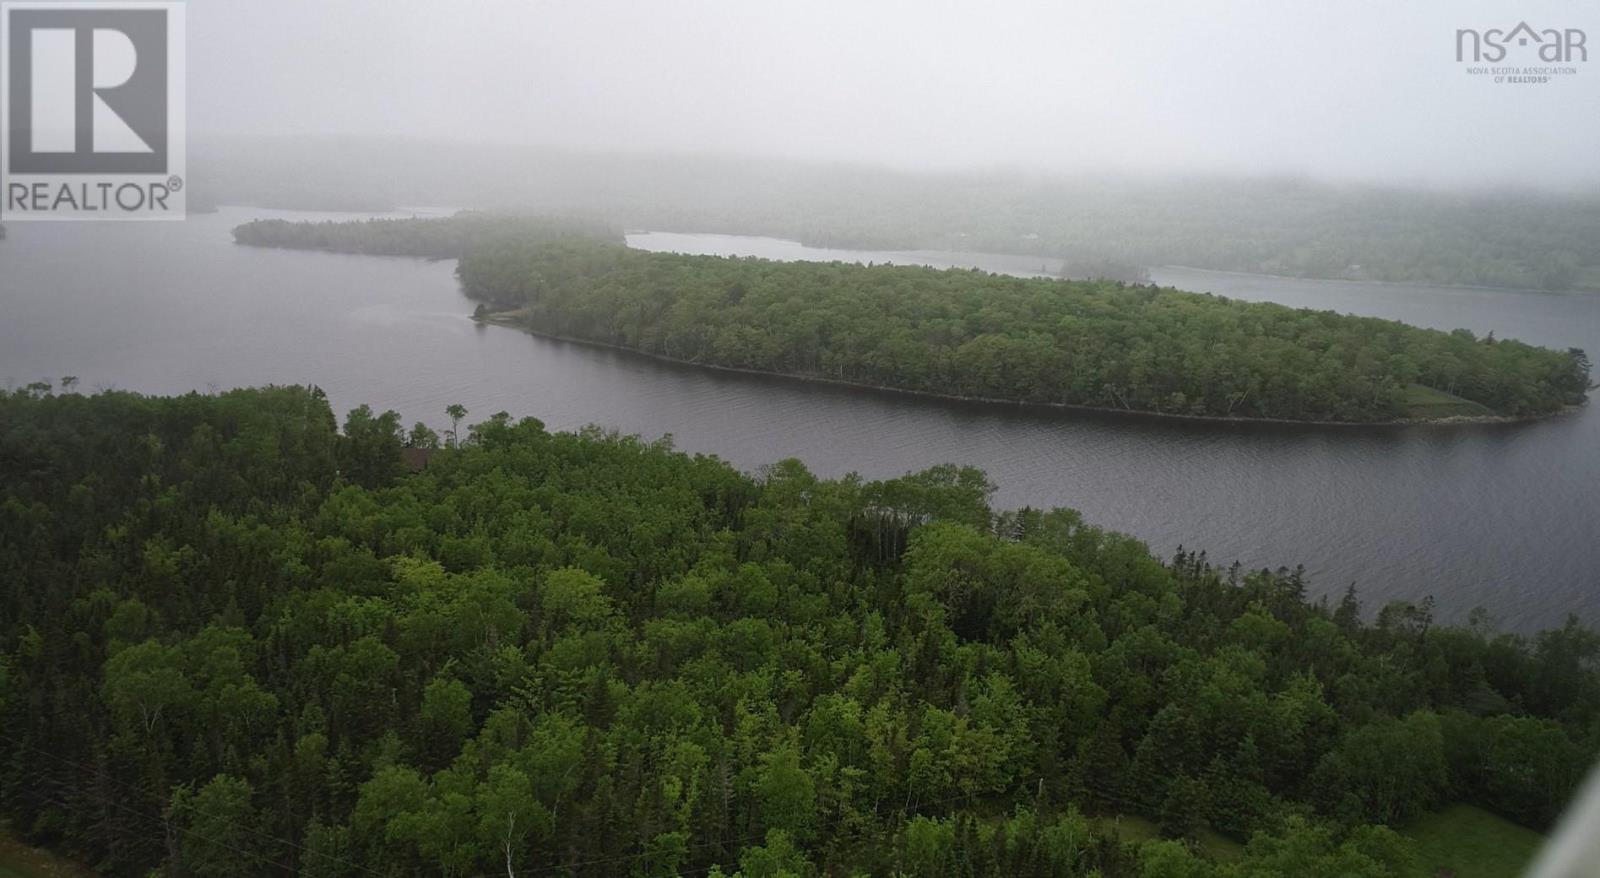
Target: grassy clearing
x: 18, y: 860
x: 1461, y: 841
x: 1134, y: 829
x: 1425, y: 402
x: 1469, y: 842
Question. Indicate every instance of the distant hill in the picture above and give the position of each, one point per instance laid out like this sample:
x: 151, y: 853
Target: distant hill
x: 430, y: 238
x: 1282, y: 226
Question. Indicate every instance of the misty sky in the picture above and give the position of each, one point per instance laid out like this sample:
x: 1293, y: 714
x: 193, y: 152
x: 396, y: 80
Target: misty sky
x: 1350, y: 89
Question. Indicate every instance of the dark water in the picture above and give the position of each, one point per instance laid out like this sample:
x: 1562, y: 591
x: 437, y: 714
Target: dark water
x: 1499, y: 516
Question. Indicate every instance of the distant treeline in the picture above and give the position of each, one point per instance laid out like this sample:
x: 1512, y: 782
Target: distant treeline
x: 1105, y: 269
x: 1505, y: 238
x: 431, y: 238
x: 1266, y: 227
x: 970, y: 334
x: 236, y: 642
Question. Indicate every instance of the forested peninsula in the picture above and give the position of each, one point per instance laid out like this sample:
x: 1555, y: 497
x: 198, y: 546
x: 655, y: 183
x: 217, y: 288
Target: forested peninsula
x: 973, y: 335
x: 236, y: 641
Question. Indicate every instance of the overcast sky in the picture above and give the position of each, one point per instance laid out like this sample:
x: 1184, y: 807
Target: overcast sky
x: 1340, y: 89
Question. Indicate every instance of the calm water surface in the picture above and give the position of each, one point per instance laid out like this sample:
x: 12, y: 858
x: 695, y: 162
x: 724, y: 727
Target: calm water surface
x: 1499, y: 516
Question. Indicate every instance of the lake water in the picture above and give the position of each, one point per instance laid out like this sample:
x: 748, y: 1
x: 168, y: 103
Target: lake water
x: 1502, y: 516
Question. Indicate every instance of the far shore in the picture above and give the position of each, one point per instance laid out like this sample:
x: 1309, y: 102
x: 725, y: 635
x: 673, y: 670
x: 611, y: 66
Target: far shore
x: 1480, y: 288
x: 386, y: 212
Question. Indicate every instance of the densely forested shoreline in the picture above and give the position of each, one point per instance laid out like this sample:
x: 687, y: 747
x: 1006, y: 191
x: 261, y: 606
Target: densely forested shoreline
x: 1424, y: 408
x: 973, y: 335
x: 236, y: 641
